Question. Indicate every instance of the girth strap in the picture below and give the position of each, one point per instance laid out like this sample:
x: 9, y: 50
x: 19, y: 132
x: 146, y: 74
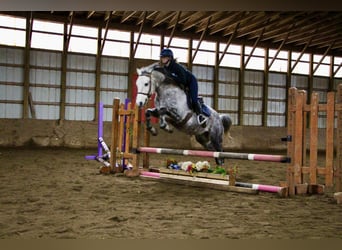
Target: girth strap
x: 182, y: 122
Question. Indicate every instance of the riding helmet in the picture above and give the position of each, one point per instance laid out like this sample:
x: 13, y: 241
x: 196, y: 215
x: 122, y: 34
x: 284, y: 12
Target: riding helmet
x: 166, y: 53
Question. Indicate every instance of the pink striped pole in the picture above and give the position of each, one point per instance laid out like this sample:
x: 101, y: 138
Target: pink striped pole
x: 241, y: 156
x: 259, y: 187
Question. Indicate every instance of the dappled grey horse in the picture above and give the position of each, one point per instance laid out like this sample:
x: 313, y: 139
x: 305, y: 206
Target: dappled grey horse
x: 171, y: 107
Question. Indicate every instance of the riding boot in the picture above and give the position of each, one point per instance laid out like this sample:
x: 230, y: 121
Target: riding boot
x: 202, y: 119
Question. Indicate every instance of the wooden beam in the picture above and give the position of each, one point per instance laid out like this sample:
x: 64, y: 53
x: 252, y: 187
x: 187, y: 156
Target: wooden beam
x: 196, y: 20
x: 69, y: 32
x: 323, y: 29
x: 63, y: 73
x: 150, y: 15
x: 90, y: 14
x: 184, y: 16
x: 297, y: 28
x: 100, y: 45
x: 255, y: 24
x: 139, y: 36
x: 201, y: 39
x: 325, y: 40
x: 300, y: 56
x: 213, y: 18
x: 232, y: 36
x: 32, y: 107
x: 265, y: 90
x: 108, y: 14
x: 331, y: 74
x: 105, y: 34
x: 224, y: 22
x: 216, y: 75
x: 280, y: 27
x: 26, y: 90
x: 254, y: 46
x: 278, y: 51
x: 320, y: 61
x: 241, y: 86
x: 338, y: 68
x: 162, y: 18
x: 174, y: 28
x: 128, y: 15
x: 245, y: 19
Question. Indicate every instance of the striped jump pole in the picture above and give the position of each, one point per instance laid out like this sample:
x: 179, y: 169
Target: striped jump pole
x: 241, y: 156
x: 217, y: 184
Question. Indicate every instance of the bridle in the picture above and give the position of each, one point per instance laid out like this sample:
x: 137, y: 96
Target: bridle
x: 148, y: 94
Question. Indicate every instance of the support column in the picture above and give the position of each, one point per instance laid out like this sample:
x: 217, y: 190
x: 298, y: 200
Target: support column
x: 26, y: 92
x: 338, y: 168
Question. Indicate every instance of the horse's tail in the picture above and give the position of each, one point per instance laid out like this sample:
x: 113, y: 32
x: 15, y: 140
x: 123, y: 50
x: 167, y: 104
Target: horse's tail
x: 227, y: 122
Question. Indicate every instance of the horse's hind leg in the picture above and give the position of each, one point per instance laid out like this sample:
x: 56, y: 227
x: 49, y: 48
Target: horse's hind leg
x: 212, y: 145
x: 216, y: 144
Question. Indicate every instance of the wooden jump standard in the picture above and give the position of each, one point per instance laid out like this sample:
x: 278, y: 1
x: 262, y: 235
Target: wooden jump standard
x: 296, y: 155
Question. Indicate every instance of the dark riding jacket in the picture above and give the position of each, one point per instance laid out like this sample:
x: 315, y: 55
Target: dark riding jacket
x: 187, y: 81
x: 179, y: 73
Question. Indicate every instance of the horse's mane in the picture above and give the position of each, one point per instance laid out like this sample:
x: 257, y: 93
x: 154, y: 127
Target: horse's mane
x: 157, y: 67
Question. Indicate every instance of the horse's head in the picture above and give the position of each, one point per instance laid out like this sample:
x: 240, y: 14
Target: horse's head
x: 144, y: 87
x: 147, y: 81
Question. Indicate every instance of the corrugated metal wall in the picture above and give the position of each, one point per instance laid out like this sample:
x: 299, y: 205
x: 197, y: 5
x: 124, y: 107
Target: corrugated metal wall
x: 11, y: 82
x: 228, y: 96
x: 253, y: 94
x: 320, y: 85
x: 80, y: 87
x: 45, y: 83
x: 276, y: 103
x: 300, y: 81
x: 114, y: 82
x: 205, y: 78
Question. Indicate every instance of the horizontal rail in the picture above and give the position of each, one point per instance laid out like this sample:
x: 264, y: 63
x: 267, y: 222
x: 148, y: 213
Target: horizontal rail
x: 225, y: 183
x: 241, y: 156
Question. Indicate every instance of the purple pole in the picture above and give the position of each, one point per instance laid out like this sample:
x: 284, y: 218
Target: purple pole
x: 100, y: 134
x: 123, y: 146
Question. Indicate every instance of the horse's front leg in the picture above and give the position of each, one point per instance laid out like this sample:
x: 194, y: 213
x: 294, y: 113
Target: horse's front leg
x: 148, y: 113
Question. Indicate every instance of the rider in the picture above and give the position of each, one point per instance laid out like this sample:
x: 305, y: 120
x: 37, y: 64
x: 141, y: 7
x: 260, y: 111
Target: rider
x: 183, y: 77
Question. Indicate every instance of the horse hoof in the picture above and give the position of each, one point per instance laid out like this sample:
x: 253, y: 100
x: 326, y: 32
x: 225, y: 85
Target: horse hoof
x: 219, y: 161
x: 153, y: 131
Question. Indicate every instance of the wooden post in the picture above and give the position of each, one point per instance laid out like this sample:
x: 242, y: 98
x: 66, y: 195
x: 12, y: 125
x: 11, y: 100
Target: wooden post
x: 298, y: 134
x: 32, y: 107
x: 313, y: 138
x: 329, y: 149
x: 121, y: 128
x: 304, y: 128
x: 290, y: 144
x: 136, y: 119
x: 129, y: 122
x: 146, y: 143
x: 338, y: 170
x: 295, y: 147
x: 115, y: 135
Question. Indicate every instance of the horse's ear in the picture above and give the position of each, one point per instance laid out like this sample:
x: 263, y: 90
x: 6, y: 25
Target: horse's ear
x: 139, y: 71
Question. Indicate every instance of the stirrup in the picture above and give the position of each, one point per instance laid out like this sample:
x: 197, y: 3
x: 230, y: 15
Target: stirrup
x: 203, y: 123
